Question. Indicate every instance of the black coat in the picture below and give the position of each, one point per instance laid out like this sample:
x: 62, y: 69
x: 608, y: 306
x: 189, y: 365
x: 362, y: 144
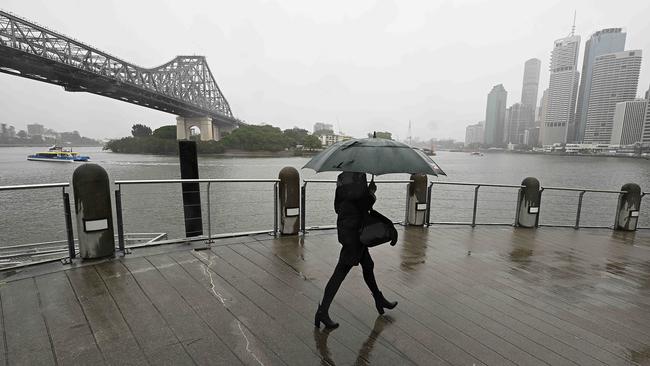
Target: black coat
x: 352, y: 201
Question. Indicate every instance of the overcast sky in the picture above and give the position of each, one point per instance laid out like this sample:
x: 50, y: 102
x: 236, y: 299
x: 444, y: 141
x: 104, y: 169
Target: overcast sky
x: 362, y: 65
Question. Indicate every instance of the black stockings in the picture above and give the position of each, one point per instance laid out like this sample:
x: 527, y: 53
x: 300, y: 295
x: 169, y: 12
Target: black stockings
x: 339, y: 274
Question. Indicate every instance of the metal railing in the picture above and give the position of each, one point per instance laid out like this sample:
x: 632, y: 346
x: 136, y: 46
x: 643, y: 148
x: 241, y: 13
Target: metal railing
x: 66, y: 208
x: 581, y: 194
x: 208, y: 182
x: 476, y: 186
x: 578, y: 213
x: 303, y: 198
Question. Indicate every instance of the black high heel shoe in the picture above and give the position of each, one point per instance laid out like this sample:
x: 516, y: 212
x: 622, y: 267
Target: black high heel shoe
x: 381, y: 303
x: 323, y: 317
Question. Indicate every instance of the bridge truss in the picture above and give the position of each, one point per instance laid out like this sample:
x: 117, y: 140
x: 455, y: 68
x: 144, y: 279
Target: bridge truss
x: 184, y: 86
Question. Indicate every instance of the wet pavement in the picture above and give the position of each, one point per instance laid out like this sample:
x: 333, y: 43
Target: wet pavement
x: 482, y: 296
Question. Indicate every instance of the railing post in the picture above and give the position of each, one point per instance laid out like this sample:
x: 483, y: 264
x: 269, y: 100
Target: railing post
x: 120, y: 220
x: 428, y: 213
x: 520, y: 192
x: 303, y: 210
x: 475, y: 205
x: 577, y: 225
x: 275, y: 209
x: 539, y: 207
x: 68, y: 224
x: 210, y: 241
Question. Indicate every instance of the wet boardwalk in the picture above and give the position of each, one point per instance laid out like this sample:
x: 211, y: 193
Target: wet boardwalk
x: 484, y: 296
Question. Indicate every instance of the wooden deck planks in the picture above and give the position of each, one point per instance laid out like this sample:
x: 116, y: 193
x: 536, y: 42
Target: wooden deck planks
x: 28, y: 341
x: 482, y: 296
x: 71, y: 336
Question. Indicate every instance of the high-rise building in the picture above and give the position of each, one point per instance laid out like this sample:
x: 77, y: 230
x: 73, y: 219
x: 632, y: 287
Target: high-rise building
x: 615, y: 78
x: 645, y: 138
x: 474, y: 134
x: 531, y: 83
x: 520, y: 118
x: 319, y: 126
x: 35, y: 129
x: 627, y: 128
x: 562, y: 91
x: 543, y: 107
x: 604, y: 41
x: 495, y: 116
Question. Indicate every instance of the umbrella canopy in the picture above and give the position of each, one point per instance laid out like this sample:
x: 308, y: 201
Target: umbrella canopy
x: 374, y: 156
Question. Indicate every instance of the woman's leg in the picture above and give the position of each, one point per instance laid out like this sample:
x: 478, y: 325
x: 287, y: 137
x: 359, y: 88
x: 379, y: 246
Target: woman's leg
x: 369, y: 276
x: 367, y: 265
x: 333, y: 285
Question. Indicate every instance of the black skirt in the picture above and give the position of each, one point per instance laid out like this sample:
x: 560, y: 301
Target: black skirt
x: 352, y: 250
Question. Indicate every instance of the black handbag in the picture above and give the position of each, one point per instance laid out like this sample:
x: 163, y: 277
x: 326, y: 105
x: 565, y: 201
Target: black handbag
x: 377, y: 229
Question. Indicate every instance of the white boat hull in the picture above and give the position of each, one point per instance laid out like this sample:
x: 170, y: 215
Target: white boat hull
x: 52, y: 160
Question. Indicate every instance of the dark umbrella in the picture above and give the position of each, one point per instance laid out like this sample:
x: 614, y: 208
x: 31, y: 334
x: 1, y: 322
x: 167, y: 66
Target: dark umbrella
x: 373, y: 156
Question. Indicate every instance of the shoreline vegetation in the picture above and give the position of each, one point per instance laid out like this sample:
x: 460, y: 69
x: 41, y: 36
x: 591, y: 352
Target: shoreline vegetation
x: 246, y: 141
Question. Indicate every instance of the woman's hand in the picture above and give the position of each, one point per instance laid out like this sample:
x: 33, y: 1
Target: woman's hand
x: 372, y: 187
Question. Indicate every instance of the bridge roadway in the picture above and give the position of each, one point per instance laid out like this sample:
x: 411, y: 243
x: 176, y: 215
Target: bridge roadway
x: 183, y: 86
x: 483, y: 296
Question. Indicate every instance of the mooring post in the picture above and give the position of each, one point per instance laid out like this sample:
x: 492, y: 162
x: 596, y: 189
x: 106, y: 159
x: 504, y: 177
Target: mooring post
x: 528, y: 203
x: 289, y: 201
x: 416, y: 201
x: 92, y: 202
x: 627, y: 210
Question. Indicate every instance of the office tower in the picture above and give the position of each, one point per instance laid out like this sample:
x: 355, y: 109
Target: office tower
x: 647, y: 94
x: 35, y: 130
x: 614, y: 79
x: 645, y: 138
x: 562, y: 91
x: 604, y: 41
x: 627, y: 127
x: 531, y: 83
x: 319, y: 126
x: 474, y: 134
x: 519, y: 120
x: 495, y: 115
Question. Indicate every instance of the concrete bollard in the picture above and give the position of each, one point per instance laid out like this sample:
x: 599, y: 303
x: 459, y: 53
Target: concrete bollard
x: 289, y: 201
x: 528, y: 203
x: 416, y: 201
x: 92, y: 202
x: 627, y: 210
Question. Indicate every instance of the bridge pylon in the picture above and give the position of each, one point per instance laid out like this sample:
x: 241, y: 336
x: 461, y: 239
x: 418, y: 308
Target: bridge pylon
x: 210, y: 129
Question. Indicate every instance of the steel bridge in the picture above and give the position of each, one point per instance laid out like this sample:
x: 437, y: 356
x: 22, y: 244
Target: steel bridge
x: 184, y: 86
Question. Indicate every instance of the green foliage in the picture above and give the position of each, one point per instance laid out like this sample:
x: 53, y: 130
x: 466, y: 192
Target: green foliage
x: 143, y: 145
x: 165, y: 132
x: 295, y: 136
x: 255, y: 138
x: 312, y: 142
x: 210, y: 147
x: 382, y: 135
x: 140, y: 130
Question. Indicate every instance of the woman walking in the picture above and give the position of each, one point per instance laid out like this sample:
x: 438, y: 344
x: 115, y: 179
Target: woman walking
x: 354, y: 198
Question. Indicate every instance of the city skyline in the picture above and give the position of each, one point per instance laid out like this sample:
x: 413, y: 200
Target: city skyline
x: 383, y: 65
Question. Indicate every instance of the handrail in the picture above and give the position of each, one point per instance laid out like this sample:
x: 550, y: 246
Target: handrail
x: 118, y: 201
x: 377, y: 181
x: 478, y: 184
x: 581, y: 190
x: 155, y: 181
x: 34, y: 186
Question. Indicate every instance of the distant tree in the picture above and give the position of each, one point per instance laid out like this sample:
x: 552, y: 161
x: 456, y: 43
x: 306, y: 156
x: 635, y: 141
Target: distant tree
x: 22, y: 134
x: 312, y: 142
x: 254, y: 137
x: 140, y: 130
x: 165, y: 132
x: 295, y: 136
x: 381, y: 135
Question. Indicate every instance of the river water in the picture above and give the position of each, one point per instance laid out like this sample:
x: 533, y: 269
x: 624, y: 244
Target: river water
x: 37, y: 215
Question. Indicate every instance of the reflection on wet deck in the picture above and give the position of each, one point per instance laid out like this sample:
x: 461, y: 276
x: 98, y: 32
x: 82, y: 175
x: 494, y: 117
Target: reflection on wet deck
x: 489, y: 295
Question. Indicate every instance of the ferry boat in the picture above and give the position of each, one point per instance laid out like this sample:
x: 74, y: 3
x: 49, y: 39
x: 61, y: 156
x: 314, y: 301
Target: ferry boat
x: 58, y: 154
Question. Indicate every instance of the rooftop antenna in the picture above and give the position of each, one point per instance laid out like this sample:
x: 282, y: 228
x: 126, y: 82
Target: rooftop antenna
x: 573, y: 28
